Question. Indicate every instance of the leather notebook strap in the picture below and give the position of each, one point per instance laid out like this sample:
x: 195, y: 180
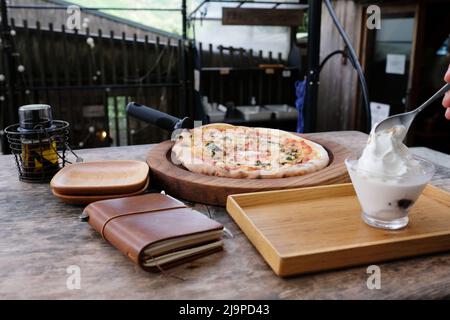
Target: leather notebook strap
x: 137, y: 212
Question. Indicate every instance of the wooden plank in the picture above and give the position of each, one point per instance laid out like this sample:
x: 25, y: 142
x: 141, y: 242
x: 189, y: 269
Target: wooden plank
x: 170, y: 60
x: 260, y: 80
x: 241, y: 78
x: 279, y: 81
x: 18, y: 80
x: 43, y: 59
x: 211, y: 83
x: 135, y: 57
x: 200, y: 53
x: 280, y: 58
x: 231, y: 57
x: 262, y: 17
x: 102, y: 78
x: 157, y: 53
x: 106, y: 109
x: 40, y: 55
x: 69, y: 103
x: 181, y: 92
x: 221, y: 58
x: 113, y: 57
x: 52, y: 55
x: 79, y: 76
x: 221, y: 82
x: 29, y: 61
x: 127, y: 100
x: 65, y: 59
x: 269, y: 73
x: 124, y: 58
x: 116, y: 121
x: 337, y: 111
x: 210, y: 55
x: 145, y: 57
x: 242, y: 58
x: 91, y: 60
x: 101, y: 55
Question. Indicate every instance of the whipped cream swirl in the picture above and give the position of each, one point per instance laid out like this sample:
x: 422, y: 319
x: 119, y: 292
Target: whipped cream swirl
x: 386, y: 155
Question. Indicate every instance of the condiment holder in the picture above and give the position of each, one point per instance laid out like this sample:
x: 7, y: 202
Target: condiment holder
x: 39, y: 143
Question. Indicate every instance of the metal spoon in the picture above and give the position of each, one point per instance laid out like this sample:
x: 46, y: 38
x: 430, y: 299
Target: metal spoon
x: 405, y: 119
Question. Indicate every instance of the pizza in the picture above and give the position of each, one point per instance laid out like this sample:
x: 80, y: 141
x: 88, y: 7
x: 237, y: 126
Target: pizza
x: 225, y: 150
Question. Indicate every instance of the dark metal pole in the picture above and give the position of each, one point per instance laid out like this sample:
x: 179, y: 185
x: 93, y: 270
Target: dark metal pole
x: 184, y: 17
x: 183, y: 67
x: 312, y: 86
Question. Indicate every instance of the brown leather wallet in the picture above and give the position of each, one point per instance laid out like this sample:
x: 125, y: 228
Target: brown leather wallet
x: 155, y: 230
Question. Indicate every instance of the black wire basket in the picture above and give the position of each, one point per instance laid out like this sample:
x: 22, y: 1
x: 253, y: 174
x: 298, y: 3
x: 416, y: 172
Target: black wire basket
x: 39, y: 153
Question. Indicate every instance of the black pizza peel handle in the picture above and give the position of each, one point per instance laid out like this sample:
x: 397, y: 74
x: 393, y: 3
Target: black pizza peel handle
x: 158, y: 118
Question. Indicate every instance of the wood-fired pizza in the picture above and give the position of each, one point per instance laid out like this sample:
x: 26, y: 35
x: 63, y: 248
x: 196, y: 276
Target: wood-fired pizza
x: 241, y: 152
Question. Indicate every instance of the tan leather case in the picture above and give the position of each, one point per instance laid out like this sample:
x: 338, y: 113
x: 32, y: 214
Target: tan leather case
x: 132, y: 224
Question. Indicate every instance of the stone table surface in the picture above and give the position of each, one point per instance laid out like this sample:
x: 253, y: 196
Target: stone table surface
x: 40, y: 237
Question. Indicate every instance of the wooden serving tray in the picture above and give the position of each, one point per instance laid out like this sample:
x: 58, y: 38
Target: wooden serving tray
x: 105, y: 177
x: 85, y: 200
x: 179, y: 182
x: 319, y: 228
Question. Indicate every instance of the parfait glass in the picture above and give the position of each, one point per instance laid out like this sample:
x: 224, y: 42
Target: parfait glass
x: 387, y: 200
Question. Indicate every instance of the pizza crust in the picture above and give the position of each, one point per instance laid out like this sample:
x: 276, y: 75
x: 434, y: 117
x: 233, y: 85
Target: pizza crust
x: 184, y: 152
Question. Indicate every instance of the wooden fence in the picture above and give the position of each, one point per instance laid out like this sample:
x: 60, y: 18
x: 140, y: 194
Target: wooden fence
x: 235, y: 75
x: 88, y: 78
x: 75, y: 72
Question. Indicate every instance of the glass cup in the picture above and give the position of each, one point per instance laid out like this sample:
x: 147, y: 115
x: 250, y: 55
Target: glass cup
x: 387, y: 200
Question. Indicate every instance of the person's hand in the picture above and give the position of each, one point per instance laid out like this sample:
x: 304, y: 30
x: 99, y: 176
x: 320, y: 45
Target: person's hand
x: 446, y: 101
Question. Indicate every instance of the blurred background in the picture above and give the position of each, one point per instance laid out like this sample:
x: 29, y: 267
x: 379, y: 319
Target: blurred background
x: 240, y: 62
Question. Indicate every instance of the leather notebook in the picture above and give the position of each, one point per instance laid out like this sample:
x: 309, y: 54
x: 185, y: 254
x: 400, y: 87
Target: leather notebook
x: 154, y: 230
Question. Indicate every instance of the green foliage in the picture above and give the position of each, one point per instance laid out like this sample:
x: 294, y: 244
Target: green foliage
x: 167, y: 21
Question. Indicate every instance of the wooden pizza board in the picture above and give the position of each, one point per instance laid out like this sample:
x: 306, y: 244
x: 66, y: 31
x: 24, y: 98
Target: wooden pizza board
x: 177, y: 181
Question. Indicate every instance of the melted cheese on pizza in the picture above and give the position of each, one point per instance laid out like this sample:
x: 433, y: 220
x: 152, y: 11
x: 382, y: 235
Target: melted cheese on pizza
x: 247, y: 148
